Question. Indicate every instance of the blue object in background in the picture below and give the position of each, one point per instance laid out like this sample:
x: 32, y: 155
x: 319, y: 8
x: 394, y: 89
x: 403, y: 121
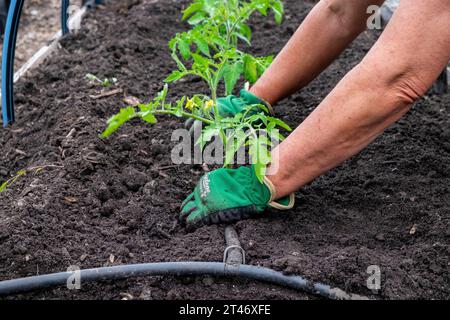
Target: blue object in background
x: 65, y: 16
x: 9, y: 46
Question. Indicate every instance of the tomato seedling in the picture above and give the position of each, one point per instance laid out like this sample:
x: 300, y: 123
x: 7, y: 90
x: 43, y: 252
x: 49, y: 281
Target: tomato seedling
x: 107, y: 82
x: 210, y: 50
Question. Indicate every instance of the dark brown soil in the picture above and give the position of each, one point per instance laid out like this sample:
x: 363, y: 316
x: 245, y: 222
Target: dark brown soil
x: 111, y: 203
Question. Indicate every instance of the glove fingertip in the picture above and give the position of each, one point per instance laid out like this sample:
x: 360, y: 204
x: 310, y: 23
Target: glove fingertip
x: 187, y: 200
x: 187, y: 211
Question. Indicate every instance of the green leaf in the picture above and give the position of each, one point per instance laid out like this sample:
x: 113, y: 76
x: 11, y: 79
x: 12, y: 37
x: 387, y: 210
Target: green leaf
x: 275, y: 134
x: 230, y: 150
x: 193, y: 8
x: 114, y: 123
x: 207, y: 135
x: 262, y: 64
x: 250, y: 71
x: 3, y: 186
x: 262, y: 9
x: 231, y: 75
x: 260, y: 171
x: 180, y: 65
x: 185, y: 49
x: 197, y: 18
x: 148, y: 117
x: 236, y: 141
x: 260, y: 156
x: 179, y: 107
x: 219, y: 41
x: 210, y: 7
x: 279, y: 123
x: 278, y: 11
x: 201, y: 61
x: 257, y: 108
x: 174, y: 76
x: 246, y: 32
x: 161, y: 95
x: 173, y: 42
x: 202, y: 45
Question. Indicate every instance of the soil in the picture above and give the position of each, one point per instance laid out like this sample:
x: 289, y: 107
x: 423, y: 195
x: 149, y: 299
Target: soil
x: 110, y: 202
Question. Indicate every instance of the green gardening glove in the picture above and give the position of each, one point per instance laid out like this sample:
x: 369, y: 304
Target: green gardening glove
x: 232, y: 105
x: 227, y: 195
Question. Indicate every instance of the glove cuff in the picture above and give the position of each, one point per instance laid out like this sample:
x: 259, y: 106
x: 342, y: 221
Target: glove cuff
x: 253, y: 99
x: 279, y: 205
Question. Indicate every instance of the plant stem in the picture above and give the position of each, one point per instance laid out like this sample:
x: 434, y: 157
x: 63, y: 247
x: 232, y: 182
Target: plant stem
x: 184, y: 114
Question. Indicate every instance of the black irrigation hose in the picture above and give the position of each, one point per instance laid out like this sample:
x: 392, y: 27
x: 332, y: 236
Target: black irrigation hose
x: 217, y: 269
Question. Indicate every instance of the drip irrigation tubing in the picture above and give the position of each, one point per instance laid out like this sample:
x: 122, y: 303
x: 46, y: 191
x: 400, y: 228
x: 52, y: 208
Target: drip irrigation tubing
x: 217, y: 269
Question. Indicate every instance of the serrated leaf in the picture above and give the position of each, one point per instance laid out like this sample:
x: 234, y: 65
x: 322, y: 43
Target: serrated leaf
x: 200, y: 60
x: 262, y: 9
x: 197, y: 18
x: 174, y: 76
x: 179, y: 107
x: 245, y: 31
x: 193, y: 8
x: 250, y: 71
x: 279, y: 123
x: 260, y: 171
x: 206, y: 136
x: 114, y: 123
x: 3, y: 186
x: 202, y: 45
x: 148, y: 117
x: 231, y: 75
x: 177, y: 60
x: 185, y: 49
x: 278, y: 11
x: 262, y: 64
x: 219, y: 41
x: 172, y: 43
x: 230, y: 151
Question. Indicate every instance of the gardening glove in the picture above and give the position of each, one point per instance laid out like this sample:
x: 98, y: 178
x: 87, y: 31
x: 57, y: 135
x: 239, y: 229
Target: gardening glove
x: 227, y: 195
x: 232, y: 105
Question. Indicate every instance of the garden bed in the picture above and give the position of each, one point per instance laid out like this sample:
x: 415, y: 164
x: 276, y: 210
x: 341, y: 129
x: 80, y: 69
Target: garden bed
x: 116, y: 201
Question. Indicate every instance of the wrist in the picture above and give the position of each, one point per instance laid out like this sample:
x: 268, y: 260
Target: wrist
x: 279, y: 181
x: 251, y: 98
x: 263, y: 93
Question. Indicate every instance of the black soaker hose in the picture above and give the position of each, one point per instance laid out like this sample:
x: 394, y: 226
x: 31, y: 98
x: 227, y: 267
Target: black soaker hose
x: 175, y: 269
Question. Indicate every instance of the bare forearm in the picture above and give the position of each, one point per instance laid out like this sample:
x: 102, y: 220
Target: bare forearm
x: 324, y: 34
x: 396, y: 72
x: 345, y: 122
